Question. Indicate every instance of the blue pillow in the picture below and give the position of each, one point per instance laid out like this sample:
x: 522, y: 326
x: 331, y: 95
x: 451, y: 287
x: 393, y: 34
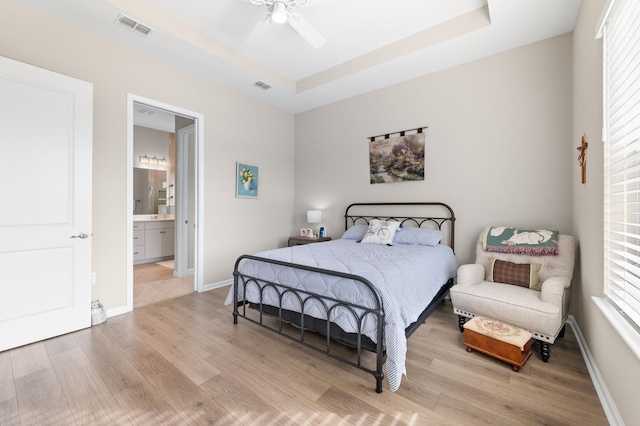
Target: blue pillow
x: 356, y: 232
x: 418, y: 236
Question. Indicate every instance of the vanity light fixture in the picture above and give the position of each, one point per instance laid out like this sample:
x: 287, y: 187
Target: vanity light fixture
x: 153, y: 160
x: 144, y: 159
x: 162, y: 161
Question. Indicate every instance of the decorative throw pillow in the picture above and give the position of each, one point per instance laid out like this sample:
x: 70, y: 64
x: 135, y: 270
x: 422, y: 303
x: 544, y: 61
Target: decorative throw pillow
x: 381, y: 232
x: 520, y: 274
x: 356, y: 232
x: 423, y: 237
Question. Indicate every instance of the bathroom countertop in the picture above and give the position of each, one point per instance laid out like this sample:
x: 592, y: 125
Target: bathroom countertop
x: 152, y: 217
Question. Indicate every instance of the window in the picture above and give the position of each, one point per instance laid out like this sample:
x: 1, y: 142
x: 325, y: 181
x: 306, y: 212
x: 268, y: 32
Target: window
x: 620, y: 29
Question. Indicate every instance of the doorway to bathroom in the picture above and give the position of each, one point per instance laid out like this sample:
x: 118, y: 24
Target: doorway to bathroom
x: 164, y: 188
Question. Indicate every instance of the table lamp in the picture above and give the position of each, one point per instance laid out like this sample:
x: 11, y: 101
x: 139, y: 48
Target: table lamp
x: 315, y: 217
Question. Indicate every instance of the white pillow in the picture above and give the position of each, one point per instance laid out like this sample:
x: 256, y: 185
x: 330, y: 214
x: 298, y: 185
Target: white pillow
x: 381, y: 232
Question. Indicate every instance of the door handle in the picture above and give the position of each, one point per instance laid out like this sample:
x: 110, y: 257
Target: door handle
x: 83, y: 236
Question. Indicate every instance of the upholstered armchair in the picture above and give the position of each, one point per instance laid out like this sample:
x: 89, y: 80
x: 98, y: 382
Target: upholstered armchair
x: 540, y: 308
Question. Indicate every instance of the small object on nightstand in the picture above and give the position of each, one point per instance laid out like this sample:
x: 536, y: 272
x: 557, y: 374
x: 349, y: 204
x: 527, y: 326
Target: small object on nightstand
x: 322, y: 232
x: 298, y: 241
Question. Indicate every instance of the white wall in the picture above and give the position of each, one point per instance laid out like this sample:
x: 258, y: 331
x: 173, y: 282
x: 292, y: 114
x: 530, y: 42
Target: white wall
x: 496, y: 147
x: 236, y: 128
x: 620, y: 369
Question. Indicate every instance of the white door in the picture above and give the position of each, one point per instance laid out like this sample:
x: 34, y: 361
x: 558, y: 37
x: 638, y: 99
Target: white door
x: 186, y: 200
x: 46, y: 123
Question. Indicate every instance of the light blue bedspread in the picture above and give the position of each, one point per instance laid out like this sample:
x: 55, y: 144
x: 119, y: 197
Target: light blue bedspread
x: 407, y: 278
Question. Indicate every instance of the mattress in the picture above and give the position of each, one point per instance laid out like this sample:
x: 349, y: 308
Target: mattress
x: 407, y: 278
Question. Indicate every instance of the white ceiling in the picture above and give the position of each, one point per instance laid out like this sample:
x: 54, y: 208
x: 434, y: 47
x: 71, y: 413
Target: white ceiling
x: 154, y: 118
x: 370, y: 43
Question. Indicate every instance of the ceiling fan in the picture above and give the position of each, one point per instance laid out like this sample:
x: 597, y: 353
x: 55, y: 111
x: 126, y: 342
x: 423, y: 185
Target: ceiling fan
x: 283, y: 11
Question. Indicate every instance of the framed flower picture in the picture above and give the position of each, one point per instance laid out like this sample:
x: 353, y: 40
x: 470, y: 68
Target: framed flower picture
x: 247, y: 179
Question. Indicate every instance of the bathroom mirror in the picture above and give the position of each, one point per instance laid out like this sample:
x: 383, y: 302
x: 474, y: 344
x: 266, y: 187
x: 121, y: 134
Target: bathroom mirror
x: 149, y: 190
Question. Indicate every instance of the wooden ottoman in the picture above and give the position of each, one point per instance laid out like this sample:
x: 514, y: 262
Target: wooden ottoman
x: 499, y: 340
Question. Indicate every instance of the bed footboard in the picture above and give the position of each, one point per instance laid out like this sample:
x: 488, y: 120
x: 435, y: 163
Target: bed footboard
x: 330, y: 306
x: 306, y: 315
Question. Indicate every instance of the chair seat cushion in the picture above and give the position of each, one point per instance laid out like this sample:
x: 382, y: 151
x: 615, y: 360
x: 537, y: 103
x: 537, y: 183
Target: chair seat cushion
x: 499, y: 330
x: 512, y: 304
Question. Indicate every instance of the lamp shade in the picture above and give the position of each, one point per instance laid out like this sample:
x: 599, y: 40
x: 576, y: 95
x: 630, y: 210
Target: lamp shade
x: 314, y: 216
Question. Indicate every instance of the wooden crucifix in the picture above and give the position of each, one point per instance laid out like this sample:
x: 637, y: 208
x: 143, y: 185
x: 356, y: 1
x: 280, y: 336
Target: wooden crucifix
x: 582, y: 158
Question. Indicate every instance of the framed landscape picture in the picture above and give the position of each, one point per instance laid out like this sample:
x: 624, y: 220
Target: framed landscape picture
x: 397, y: 159
x: 247, y: 180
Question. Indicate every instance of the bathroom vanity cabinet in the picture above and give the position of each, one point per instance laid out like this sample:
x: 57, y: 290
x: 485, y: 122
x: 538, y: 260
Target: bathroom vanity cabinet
x: 153, y: 241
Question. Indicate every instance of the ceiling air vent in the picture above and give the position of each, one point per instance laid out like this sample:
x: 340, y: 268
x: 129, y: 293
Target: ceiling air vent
x: 132, y: 24
x: 262, y: 85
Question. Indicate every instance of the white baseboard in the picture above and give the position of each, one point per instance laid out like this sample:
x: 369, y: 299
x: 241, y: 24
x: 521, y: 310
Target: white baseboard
x: 116, y: 311
x: 608, y: 405
x: 219, y: 284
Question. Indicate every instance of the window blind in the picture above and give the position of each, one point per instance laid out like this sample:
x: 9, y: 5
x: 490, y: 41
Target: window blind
x: 621, y: 134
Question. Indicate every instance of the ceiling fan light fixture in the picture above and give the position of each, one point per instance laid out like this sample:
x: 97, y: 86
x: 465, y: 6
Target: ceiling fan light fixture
x: 279, y: 13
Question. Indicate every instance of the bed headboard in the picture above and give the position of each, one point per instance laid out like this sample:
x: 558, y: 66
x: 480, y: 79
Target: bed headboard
x: 431, y: 215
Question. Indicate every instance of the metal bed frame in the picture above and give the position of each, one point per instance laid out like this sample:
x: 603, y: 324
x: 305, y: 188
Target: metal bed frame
x: 331, y: 305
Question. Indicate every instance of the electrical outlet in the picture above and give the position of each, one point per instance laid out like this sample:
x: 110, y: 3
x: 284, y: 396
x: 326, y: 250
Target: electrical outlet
x: 93, y: 278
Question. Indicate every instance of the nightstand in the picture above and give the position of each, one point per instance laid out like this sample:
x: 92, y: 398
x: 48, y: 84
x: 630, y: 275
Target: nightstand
x: 298, y: 241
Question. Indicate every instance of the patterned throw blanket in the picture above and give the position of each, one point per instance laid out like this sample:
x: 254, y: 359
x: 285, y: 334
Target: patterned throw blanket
x: 534, y: 242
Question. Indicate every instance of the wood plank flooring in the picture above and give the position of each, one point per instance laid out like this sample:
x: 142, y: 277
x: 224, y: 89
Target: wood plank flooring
x: 153, y: 283
x: 182, y: 361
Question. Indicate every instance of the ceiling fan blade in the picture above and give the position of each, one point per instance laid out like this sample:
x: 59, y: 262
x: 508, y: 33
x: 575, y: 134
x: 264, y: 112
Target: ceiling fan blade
x: 259, y: 31
x: 306, y: 30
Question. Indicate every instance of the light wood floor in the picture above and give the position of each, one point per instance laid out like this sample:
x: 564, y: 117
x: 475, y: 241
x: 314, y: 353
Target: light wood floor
x: 153, y: 283
x: 182, y: 361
